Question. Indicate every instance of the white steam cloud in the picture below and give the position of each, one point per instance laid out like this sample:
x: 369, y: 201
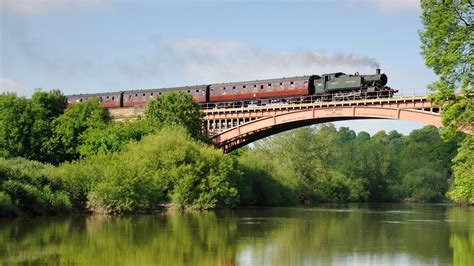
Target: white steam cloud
x: 215, y: 61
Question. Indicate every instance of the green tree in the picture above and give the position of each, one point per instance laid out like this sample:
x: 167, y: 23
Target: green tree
x: 177, y: 109
x: 46, y: 106
x: 16, y: 125
x: 447, y: 46
x: 67, y: 129
x: 25, y: 124
x: 113, y: 137
x: 462, y: 189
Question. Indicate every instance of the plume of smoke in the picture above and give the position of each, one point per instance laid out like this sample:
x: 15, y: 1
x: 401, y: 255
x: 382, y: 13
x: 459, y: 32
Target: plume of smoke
x: 232, y: 60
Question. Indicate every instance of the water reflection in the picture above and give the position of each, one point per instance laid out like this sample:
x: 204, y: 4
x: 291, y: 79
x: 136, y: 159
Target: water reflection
x: 348, y: 234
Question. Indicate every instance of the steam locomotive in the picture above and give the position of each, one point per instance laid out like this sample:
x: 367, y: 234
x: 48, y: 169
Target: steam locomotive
x: 327, y: 87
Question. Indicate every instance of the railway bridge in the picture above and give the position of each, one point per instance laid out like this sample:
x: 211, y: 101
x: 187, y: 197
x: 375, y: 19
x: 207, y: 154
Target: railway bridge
x: 233, y: 127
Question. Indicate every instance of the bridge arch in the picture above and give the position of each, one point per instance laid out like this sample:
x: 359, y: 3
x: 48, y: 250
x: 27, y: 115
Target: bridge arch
x: 280, y: 121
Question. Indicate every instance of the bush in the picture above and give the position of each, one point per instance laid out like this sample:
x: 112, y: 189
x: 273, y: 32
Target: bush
x: 28, y: 187
x: 168, y: 166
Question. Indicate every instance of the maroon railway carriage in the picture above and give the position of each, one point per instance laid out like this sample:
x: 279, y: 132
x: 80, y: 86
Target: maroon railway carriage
x: 261, y: 89
x: 140, y: 97
x: 108, y: 99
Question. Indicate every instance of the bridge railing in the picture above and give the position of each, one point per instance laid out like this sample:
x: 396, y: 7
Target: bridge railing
x: 327, y: 98
x: 415, y: 92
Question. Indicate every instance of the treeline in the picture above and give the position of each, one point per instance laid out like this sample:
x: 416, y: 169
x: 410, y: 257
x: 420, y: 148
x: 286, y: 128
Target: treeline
x: 55, y: 159
x: 323, y: 164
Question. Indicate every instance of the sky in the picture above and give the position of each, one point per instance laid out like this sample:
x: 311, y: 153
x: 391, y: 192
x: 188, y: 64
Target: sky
x: 90, y: 46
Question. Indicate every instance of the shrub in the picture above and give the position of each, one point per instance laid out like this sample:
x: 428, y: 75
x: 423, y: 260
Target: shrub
x: 29, y: 188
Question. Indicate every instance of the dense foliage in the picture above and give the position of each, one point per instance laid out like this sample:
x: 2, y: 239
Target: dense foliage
x: 177, y: 109
x: 447, y: 46
x: 168, y: 166
x: 27, y: 187
x: 315, y: 164
x: 27, y: 124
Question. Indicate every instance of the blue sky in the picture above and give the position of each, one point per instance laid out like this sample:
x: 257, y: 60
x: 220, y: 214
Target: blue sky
x: 85, y: 46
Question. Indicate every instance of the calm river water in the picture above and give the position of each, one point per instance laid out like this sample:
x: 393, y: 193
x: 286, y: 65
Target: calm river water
x: 367, y: 234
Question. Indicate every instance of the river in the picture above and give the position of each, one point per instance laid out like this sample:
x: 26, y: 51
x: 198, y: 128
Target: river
x: 354, y: 234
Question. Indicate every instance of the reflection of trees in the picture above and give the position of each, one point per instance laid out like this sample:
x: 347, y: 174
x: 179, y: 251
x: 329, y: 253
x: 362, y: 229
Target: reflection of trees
x: 322, y: 235
x: 462, y: 235
x: 135, y: 240
x: 325, y: 236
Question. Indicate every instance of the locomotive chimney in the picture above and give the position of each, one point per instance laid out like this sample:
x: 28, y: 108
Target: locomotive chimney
x: 377, y: 71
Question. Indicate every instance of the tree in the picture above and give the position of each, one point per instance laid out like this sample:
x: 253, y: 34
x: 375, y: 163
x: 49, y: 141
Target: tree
x: 46, y: 106
x: 447, y: 46
x: 16, y: 123
x: 113, y: 137
x: 68, y: 127
x: 177, y: 109
x: 462, y: 189
x: 25, y: 124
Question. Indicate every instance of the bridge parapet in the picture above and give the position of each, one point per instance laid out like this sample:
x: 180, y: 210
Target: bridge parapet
x: 220, y: 120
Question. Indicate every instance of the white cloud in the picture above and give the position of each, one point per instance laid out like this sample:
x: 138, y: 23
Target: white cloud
x: 35, y: 7
x: 386, y: 6
x: 9, y: 85
x: 396, y: 5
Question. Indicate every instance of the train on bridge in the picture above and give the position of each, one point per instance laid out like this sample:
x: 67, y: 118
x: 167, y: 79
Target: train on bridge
x: 313, y: 88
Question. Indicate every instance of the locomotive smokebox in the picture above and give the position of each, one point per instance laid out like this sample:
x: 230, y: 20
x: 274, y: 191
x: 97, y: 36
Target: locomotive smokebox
x: 377, y: 71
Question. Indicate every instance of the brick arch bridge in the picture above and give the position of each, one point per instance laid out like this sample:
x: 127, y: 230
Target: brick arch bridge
x: 231, y: 128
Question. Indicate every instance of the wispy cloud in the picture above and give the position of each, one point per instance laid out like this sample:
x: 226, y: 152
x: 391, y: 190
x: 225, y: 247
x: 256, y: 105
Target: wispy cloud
x: 9, y: 85
x: 387, y: 6
x: 35, y: 7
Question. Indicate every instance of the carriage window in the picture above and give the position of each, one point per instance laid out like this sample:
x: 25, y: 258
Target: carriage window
x: 223, y: 91
x: 234, y: 90
x: 113, y: 98
x: 244, y: 89
x: 281, y: 86
x: 129, y: 97
x: 144, y: 94
x: 99, y: 99
x: 292, y: 85
x: 151, y: 94
x: 107, y: 99
x: 269, y: 87
x: 196, y: 92
x: 80, y: 100
x: 189, y: 91
x: 261, y: 87
x: 254, y: 88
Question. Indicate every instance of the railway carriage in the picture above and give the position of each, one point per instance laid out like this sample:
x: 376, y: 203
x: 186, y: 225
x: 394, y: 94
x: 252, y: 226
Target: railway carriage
x: 261, y: 89
x: 108, y: 100
x: 141, y: 97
